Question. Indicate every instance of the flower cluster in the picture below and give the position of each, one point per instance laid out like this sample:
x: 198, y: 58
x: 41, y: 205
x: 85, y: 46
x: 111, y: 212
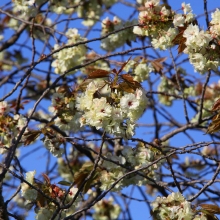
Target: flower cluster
x: 27, y: 192
x: 174, y: 207
x: 62, y: 7
x: 116, y: 40
x: 212, y: 93
x: 92, y: 10
x: 75, y: 163
x: 45, y: 213
x: 140, y: 70
x: 9, y: 126
x: 105, y: 209
x: 134, y: 158
x: 202, y: 55
x: 38, y: 32
x: 26, y: 7
x: 114, y: 111
x: 70, y: 57
x: 166, y: 29
x: 168, y: 89
x: 215, y: 24
x: 63, y: 105
x: 156, y: 22
x: 44, y: 207
x: 52, y: 142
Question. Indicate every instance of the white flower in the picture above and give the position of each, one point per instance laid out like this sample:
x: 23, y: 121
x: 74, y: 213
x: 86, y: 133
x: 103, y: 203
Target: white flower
x: 215, y: 17
x: 171, y: 33
x: 158, y: 201
x: 130, y: 129
x: 101, y: 107
x: 195, y: 39
x: 24, y: 7
x: 116, y: 20
x: 191, y: 32
x: 178, y: 20
x: 53, y: 145
x: 186, y: 8
x: 72, y: 32
x: 107, y: 180
x: 203, y: 39
x: 213, y: 64
x: 21, y: 121
x: 189, y: 17
x: 152, y: 3
x: 27, y: 192
x: 31, y: 2
x: 118, y: 39
x: 4, y: 108
x: 175, y: 197
x: 72, y: 192
x: 83, y: 102
x: 165, y: 41
x: 198, y: 61
x: 117, y: 114
x: 128, y: 102
x: 30, y: 176
x: 68, y: 58
x: 164, y: 11
x: 178, y: 207
x: 137, y: 30
x: 142, y: 72
x: 213, y: 46
x: 215, y: 28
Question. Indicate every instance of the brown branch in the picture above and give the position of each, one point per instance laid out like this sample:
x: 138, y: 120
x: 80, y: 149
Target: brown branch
x: 14, y: 38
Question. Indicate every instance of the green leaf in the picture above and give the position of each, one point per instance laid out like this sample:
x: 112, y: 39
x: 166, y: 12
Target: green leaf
x: 64, y: 183
x: 212, y: 209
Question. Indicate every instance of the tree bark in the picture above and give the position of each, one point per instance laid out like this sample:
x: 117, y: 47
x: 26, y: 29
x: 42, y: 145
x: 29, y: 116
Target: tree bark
x: 3, y: 208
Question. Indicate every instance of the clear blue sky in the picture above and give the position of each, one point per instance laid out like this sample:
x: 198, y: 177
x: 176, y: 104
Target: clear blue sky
x: 37, y: 161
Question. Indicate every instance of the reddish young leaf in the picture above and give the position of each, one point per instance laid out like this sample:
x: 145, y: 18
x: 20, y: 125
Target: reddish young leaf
x: 129, y: 79
x: 157, y: 64
x: 6, y: 19
x: 180, y: 40
x: 181, y: 46
x: 47, y: 179
x: 126, y: 87
x: 56, y: 191
x: 216, y: 106
x: 115, y: 71
x: 98, y: 73
x: 214, y: 125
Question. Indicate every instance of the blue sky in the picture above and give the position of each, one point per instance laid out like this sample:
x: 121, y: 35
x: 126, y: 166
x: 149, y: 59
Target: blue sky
x: 37, y: 160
